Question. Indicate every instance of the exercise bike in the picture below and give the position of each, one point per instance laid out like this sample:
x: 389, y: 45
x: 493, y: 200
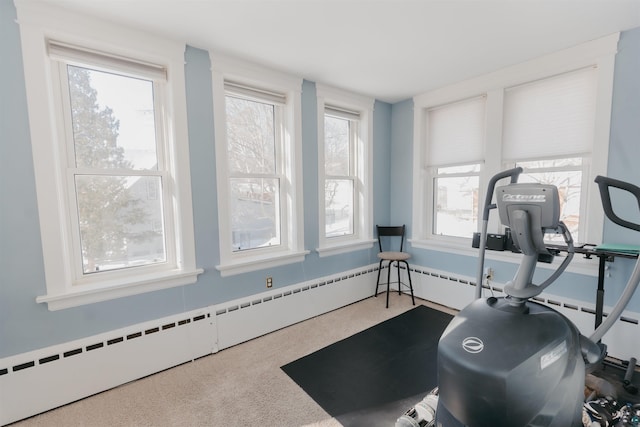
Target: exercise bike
x: 510, y: 361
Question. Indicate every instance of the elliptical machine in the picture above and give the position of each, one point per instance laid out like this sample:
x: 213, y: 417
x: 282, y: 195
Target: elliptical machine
x: 510, y: 361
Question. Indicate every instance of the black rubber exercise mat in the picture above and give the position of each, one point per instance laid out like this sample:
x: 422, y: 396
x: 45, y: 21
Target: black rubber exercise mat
x: 369, y: 371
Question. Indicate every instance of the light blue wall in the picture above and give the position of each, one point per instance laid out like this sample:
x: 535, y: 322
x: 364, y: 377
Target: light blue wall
x: 26, y: 325
x: 401, y: 154
x: 382, y: 142
x: 624, y: 163
x: 624, y: 149
x: 624, y: 157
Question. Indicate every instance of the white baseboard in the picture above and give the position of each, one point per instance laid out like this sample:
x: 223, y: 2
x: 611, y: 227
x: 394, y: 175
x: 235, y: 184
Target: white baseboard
x: 43, y: 379
x: 457, y: 291
x: 36, y: 381
x: 248, y: 318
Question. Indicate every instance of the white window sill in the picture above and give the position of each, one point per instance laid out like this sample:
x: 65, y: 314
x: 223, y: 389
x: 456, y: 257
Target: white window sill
x: 578, y: 265
x: 88, y: 294
x: 344, y: 247
x: 246, y: 264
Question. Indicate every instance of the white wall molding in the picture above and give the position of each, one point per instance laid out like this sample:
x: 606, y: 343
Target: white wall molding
x: 43, y: 379
x: 247, y: 318
x: 456, y: 291
x: 39, y: 380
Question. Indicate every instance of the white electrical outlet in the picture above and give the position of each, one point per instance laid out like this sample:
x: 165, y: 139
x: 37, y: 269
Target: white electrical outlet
x: 488, y: 273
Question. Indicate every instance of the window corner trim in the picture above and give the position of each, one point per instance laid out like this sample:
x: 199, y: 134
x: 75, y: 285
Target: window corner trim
x: 254, y: 263
x: 345, y: 247
x: 90, y: 294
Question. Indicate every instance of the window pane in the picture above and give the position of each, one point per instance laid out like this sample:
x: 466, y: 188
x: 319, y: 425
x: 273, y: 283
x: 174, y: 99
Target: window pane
x: 569, y: 184
x: 250, y: 136
x: 113, y: 120
x: 121, y: 221
x: 255, y: 213
x: 552, y: 163
x: 474, y: 168
x: 338, y: 198
x: 336, y: 146
x: 456, y: 206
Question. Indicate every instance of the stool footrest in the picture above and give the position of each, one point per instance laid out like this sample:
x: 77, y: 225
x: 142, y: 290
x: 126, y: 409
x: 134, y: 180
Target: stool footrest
x: 399, y: 282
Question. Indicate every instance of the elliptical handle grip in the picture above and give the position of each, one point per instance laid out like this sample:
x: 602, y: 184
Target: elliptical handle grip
x: 513, y: 173
x: 605, y: 184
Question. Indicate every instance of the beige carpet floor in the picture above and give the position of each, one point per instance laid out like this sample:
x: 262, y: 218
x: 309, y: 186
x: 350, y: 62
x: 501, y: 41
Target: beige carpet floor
x: 239, y: 386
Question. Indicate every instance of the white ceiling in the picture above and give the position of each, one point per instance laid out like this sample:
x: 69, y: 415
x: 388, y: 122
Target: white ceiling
x: 389, y: 49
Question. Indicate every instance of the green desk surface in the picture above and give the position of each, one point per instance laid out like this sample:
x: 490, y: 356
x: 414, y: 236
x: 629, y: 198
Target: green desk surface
x: 617, y: 247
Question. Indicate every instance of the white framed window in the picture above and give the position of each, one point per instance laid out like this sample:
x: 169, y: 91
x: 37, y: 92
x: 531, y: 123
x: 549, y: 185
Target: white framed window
x: 110, y: 150
x: 454, y: 159
x: 258, y: 166
x: 550, y: 115
x: 256, y: 172
x: 340, y: 203
x: 345, y: 138
x: 548, y: 130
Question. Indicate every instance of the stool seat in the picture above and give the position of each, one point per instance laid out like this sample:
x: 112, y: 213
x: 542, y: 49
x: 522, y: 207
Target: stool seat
x: 394, y: 256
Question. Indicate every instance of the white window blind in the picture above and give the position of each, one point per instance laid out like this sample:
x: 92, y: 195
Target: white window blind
x: 456, y: 132
x: 552, y: 117
x: 341, y: 113
x: 258, y: 94
x: 82, y: 56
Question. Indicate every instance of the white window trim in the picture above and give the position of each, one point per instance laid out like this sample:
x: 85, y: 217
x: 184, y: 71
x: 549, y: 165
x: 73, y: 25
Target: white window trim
x: 291, y: 249
x: 600, y: 52
x: 362, y: 237
x: 39, y: 23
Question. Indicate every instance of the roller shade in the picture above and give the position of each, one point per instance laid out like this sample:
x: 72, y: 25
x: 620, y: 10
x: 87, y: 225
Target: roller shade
x: 341, y: 113
x: 550, y: 118
x: 455, y: 133
x: 239, y: 89
x: 87, y: 57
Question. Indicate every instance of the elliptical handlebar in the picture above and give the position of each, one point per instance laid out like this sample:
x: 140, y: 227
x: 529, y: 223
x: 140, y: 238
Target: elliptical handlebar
x: 604, y: 184
x: 529, y: 290
x: 514, y: 174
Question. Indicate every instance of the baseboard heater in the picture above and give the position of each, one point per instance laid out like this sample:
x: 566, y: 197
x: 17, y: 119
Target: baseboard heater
x: 248, y: 318
x: 457, y: 291
x: 43, y: 379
